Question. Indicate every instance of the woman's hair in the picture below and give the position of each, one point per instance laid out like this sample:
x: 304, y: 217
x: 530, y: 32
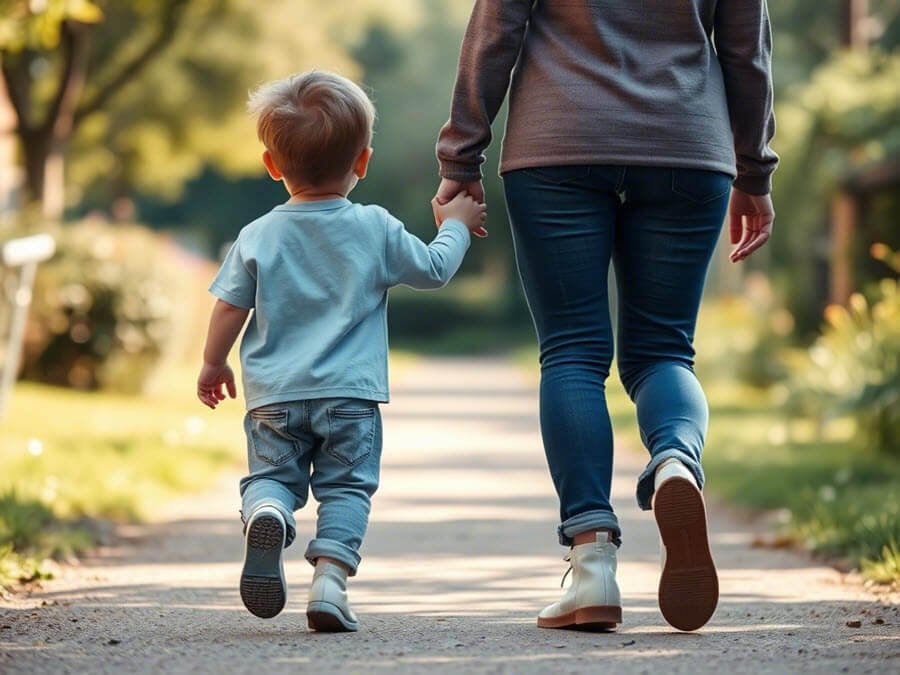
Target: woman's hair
x: 314, y: 124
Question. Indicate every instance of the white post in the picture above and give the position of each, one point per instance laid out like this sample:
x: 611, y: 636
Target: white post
x: 24, y: 253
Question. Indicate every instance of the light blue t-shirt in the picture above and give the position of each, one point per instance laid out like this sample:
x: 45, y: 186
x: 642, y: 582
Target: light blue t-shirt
x: 316, y: 275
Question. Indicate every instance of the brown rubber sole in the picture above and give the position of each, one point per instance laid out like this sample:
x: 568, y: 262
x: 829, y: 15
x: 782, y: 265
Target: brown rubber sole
x: 602, y: 618
x: 688, y: 587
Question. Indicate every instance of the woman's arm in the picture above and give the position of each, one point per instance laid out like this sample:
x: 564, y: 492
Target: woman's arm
x: 743, y: 40
x: 489, y: 51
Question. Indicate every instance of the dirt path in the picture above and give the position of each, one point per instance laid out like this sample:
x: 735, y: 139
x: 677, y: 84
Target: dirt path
x: 460, y: 556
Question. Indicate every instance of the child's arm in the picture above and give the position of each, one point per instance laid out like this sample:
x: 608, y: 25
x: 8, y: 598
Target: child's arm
x: 224, y: 327
x: 410, y: 261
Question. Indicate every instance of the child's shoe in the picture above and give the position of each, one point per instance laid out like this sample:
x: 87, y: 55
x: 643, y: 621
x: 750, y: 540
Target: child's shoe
x: 592, y: 601
x: 688, y: 586
x: 263, y: 588
x: 328, y: 610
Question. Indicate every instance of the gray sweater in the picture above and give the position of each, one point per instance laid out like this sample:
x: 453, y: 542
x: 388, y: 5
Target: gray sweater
x: 680, y: 83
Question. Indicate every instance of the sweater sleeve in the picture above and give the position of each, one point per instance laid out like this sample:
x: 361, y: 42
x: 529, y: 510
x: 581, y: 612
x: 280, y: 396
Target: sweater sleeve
x: 743, y: 39
x: 489, y: 51
x: 408, y: 260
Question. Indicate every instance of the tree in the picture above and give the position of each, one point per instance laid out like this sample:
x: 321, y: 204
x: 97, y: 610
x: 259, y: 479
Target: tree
x: 145, y: 93
x: 53, y: 36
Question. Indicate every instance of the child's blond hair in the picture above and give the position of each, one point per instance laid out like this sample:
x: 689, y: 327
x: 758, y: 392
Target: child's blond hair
x: 314, y: 125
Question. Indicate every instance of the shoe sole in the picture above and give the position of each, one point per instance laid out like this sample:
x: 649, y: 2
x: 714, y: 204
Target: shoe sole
x: 327, y: 618
x: 600, y: 618
x: 263, y: 588
x: 688, y: 586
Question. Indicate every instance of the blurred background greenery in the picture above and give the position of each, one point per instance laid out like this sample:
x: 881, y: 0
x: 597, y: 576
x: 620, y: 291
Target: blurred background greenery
x: 123, y: 133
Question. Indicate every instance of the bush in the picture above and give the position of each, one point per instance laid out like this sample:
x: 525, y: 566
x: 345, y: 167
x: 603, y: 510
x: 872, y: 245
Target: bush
x: 852, y: 368
x: 104, y: 307
x: 745, y: 337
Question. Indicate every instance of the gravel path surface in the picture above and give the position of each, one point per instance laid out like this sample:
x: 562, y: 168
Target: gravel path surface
x: 460, y: 556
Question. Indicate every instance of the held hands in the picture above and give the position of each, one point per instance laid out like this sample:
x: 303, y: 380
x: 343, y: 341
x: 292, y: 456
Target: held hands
x: 750, y: 219
x: 212, y: 383
x: 448, y: 189
x: 462, y: 207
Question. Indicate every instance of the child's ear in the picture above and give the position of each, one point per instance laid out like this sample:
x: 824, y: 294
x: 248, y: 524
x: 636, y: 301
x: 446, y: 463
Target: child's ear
x: 361, y: 165
x: 273, y: 170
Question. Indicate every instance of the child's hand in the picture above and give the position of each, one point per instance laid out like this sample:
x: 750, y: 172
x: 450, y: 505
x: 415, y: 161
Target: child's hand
x: 463, y: 208
x: 211, y: 381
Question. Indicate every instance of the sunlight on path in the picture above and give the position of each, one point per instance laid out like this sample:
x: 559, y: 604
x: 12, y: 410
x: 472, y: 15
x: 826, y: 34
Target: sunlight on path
x: 461, y: 555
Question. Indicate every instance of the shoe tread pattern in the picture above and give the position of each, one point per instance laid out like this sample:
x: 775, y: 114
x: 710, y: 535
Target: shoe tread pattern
x: 688, y: 586
x: 264, y: 595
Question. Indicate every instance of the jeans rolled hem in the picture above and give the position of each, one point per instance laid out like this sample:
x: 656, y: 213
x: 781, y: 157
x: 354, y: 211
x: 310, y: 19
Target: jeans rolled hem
x: 329, y: 548
x: 645, y: 485
x: 288, y: 516
x: 590, y: 520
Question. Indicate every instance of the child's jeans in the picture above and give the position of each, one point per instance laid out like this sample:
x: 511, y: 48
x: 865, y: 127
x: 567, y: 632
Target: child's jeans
x: 332, y: 445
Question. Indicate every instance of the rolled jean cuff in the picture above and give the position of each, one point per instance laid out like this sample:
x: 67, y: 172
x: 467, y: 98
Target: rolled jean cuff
x: 590, y: 520
x: 329, y: 548
x: 645, y: 485
x: 288, y: 516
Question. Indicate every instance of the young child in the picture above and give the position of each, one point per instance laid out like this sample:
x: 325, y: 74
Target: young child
x: 316, y: 271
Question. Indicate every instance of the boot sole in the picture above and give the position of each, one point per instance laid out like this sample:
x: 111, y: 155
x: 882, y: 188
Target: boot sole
x: 688, y: 586
x: 601, y: 618
x: 327, y: 618
x: 263, y: 589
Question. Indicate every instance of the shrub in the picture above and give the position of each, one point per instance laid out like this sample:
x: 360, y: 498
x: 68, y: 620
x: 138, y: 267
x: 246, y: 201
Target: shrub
x: 104, y: 307
x: 852, y: 368
x: 745, y: 337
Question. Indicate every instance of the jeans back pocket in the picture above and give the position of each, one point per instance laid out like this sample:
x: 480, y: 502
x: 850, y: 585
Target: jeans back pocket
x: 351, y: 434
x: 270, y: 435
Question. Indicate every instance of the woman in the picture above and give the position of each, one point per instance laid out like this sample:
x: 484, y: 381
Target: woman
x: 630, y: 125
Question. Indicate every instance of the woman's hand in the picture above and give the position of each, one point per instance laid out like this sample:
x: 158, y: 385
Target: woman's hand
x: 448, y: 189
x: 463, y: 208
x: 750, y: 219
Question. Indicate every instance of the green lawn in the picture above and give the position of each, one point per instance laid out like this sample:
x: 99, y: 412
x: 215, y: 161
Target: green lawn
x: 830, y: 496
x: 67, y: 457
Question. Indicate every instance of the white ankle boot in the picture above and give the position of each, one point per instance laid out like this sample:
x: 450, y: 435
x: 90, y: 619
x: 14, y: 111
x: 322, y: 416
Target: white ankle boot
x: 328, y: 610
x: 592, y: 601
x: 688, y: 585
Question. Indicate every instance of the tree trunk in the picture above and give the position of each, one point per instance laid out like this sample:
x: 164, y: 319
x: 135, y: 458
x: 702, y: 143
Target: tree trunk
x: 44, y: 176
x: 10, y: 175
x: 54, y: 200
x: 853, y: 27
x: 35, y: 149
x: 844, y: 225
x: 44, y: 140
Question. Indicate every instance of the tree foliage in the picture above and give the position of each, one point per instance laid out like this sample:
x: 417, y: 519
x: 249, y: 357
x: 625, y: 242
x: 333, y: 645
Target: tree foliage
x: 142, y: 94
x: 834, y: 130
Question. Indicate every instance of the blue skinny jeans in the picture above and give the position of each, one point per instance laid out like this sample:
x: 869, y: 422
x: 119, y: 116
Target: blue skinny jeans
x: 659, y: 227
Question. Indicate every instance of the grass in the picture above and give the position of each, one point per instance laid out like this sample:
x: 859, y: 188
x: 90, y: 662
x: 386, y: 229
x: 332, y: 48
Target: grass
x: 832, y: 498
x: 68, y: 457
x: 828, y: 495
